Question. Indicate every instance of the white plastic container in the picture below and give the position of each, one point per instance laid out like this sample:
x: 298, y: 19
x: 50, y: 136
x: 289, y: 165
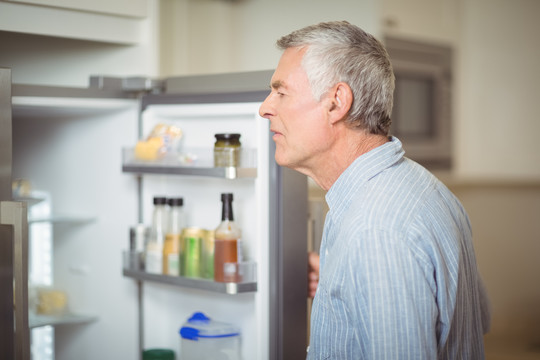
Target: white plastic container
x: 203, y: 338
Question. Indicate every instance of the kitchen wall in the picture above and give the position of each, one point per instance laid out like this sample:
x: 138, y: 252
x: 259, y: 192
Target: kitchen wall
x: 202, y: 36
x: 499, y: 165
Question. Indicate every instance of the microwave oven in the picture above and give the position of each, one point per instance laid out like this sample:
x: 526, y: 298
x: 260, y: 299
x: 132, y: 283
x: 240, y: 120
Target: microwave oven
x: 422, y: 116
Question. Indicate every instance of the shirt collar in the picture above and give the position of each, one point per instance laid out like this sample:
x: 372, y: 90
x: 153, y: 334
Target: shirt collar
x: 365, y: 167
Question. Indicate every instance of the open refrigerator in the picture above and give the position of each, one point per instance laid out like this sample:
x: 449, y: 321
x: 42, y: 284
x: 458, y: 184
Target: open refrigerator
x: 75, y: 148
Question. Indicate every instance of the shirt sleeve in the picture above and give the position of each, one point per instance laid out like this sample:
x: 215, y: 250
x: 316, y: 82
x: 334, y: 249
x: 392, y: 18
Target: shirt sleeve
x: 396, y: 304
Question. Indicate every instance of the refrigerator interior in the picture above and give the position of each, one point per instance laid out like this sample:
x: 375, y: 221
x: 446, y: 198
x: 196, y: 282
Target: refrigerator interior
x: 72, y: 149
x: 166, y: 308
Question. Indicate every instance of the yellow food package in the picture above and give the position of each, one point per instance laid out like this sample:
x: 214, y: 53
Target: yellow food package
x: 51, y: 302
x: 149, y: 149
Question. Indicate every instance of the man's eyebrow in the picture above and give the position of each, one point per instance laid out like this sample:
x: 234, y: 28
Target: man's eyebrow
x: 277, y: 84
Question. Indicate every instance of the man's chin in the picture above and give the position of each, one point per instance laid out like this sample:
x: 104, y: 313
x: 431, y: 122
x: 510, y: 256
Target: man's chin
x: 285, y: 163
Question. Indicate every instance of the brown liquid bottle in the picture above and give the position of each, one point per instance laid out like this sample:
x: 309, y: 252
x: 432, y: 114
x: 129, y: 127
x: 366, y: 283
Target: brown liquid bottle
x: 228, y: 248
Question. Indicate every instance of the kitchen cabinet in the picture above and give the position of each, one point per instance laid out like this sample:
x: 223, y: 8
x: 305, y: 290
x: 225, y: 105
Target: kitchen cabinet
x: 120, y: 22
x: 128, y: 8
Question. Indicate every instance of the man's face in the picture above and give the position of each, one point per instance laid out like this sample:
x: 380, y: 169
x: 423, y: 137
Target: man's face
x: 298, y: 121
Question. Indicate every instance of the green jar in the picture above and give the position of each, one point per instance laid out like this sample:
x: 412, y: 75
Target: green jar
x: 227, y: 150
x: 158, y: 354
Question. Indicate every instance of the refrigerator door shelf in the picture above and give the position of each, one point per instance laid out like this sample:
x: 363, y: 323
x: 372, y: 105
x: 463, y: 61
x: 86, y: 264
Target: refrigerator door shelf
x: 55, y: 320
x: 201, y: 166
x: 202, y: 284
x: 63, y: 219
x: 31, y: 201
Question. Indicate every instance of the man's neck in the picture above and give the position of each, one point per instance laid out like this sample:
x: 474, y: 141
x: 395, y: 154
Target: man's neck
x: 344, y: 153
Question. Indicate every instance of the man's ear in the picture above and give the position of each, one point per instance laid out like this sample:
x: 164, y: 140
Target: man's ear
x: 340, y: 99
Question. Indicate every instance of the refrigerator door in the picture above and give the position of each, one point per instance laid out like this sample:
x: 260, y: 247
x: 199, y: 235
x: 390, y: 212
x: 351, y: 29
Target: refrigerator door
x: 14, y: 336
x: 270, y: 206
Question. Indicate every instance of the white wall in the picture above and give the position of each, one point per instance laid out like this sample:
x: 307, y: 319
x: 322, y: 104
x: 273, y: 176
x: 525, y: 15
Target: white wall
x: 496, y: 150
x: 498, y: 121
x: 428, y: 20
x: 212, y: 36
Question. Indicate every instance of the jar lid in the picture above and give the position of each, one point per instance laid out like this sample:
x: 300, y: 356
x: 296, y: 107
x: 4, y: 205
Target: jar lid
x: 175, y: 201
x: 199, y: 326
x: 160, y: 200
x: 227, y: 136
x: 158, y: 354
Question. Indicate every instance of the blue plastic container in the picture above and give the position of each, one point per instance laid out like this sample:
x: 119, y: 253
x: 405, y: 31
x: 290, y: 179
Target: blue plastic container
x: 203, y: 338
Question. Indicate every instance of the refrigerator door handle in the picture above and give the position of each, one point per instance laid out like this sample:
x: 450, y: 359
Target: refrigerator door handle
x: 14, y: 213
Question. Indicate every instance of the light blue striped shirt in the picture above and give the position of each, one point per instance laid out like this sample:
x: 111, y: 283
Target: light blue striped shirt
x: 398, y: 274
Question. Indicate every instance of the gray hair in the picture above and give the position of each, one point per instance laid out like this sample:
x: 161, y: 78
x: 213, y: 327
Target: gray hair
x: 341, y: 52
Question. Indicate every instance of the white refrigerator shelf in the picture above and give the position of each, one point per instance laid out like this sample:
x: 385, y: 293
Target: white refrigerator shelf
x: 203, y: 284
x: 55, y: 320
x: 201, y: 165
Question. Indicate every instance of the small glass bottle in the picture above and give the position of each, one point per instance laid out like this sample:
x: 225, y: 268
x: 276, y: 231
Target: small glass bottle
x: 171, y: 248
x: 154, y: 247
x: 227, y: 242
x: 227, y: 150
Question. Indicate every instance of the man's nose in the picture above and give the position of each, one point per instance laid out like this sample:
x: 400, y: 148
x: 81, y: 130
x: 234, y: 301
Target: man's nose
x: 265, y: 108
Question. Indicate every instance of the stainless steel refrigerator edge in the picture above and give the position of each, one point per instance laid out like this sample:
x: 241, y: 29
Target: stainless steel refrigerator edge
x: 289, y: 266
x: 14, y: 335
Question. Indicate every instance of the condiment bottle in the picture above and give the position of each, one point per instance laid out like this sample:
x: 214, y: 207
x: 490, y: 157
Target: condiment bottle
x: 171, y: 248
x: 192, y: 238
x: 207, y: 255
x: 227, y: 242
x: 227, y: 150
x: 154, y: 247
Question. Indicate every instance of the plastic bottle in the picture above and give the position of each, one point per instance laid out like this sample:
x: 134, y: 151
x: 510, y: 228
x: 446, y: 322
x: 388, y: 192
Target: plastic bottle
x: 154, y: 248
x: 171, y: 249
x: 228, y: 248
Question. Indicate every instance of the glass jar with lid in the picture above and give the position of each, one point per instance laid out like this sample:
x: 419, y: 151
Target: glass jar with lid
x: 227, y: 150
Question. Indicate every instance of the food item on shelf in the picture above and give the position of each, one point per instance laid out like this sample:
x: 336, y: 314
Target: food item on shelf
x: 149, y: 149
x: 171, y: 249
x: 227, y: 150
x: 51, y: 301
x: 21, y: 188
x: 190, y: 260
x: 207, y: 256
x: 154, y: 247
x: 227, y: 242
x: 134, y: 256
x: 163, y: 140
x: 204, y: 338
x: 158, y: 354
